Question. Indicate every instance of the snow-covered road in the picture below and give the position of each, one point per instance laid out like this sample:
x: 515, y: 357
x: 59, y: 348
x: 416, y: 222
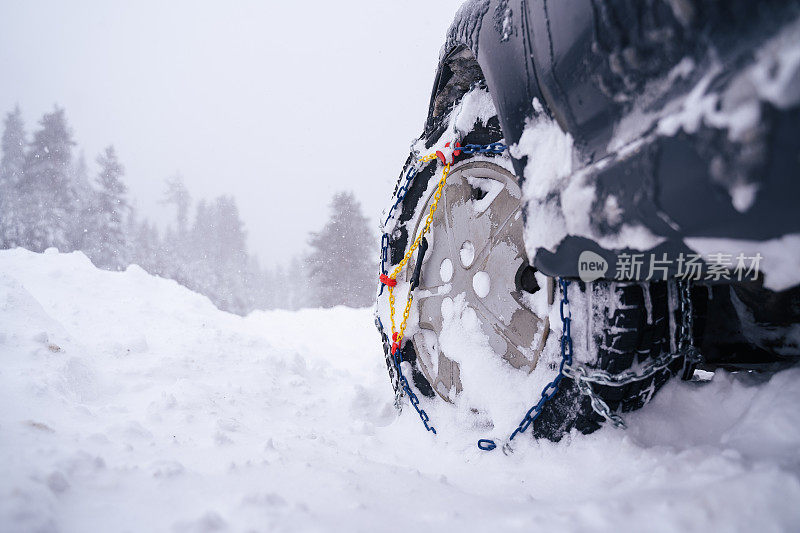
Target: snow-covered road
x: 128, y: 403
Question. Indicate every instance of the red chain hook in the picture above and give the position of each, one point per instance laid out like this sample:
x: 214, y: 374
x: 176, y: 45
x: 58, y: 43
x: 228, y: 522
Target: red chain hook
x: 446, y: 156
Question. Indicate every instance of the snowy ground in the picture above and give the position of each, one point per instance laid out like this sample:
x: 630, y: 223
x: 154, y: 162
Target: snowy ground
x: 128, y: 403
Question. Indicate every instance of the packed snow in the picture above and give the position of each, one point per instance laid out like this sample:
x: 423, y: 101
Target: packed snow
x: 130, y: 403
x: 559, y: 200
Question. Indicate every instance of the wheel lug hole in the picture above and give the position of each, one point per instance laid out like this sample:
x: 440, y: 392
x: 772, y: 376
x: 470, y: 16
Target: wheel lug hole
x: 446, y: 270
x: 481, y: 283
x: 467, y: 254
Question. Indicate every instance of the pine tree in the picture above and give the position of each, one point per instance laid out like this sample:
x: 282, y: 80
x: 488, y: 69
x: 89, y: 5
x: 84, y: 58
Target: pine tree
x: 200, y: 274
x: 256, y: 284
x: 228, y: 253
x: 299, y: 295
x: 341, y: 268
x: 178, y: 195
x: 48, y: 197
x: 85, y: 203
x: 279, y: 294
x: 12, y: 166
x: 108, y: 244
x: 146, y: 248
x: 219, y: 264
x: 177, y: 253
x: 167, y: 256
x: 131, y: 232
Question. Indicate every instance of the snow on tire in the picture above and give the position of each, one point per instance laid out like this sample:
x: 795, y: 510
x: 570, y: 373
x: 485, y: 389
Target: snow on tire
x: 481, y: 310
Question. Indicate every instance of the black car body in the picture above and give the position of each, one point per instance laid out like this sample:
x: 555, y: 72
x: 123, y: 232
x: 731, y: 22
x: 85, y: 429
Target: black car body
x: 611, y: 73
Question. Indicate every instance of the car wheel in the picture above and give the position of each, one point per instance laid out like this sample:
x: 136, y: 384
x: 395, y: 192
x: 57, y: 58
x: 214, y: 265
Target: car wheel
x: 476, y: 252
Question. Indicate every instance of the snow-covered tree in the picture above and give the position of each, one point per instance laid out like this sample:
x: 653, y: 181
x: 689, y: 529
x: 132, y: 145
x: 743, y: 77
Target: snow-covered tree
x: 12, y: 166
x: 47, y: 199
x: 278, y: 282
x: 299, y: 293
x: 219, y: 265
x: 85, y: 203
x: 176, y: 251
x: 341, y: 265
x: 228, y: 251
x: 47, y: 195
x: 107, y: 240
x: 145, y: 246
x: 178, y: 195
x: 200, y: 274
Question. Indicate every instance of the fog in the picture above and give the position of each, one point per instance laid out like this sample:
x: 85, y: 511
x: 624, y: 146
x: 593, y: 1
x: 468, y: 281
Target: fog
x: 279, y: 104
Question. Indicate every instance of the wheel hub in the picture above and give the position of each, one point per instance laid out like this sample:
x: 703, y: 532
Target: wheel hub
x: 476, y: 249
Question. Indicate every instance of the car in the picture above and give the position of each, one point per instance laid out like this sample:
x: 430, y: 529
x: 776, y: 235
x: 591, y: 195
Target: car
x: 603, y: 197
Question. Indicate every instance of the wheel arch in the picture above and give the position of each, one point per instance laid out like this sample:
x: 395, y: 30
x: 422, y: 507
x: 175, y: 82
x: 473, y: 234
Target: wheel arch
x: 487, y: 43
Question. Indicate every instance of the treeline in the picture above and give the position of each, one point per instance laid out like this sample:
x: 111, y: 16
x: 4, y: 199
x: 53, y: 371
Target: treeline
x: 51, y: 198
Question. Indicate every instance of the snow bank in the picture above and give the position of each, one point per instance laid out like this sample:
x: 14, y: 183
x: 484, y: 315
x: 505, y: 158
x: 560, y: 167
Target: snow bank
x: 130, y: 403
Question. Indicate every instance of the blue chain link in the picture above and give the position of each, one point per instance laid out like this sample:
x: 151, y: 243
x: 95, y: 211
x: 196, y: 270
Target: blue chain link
x: 494, y: 148
x: 402, y: 189
x: 397, y: 357
x: 552, y: 388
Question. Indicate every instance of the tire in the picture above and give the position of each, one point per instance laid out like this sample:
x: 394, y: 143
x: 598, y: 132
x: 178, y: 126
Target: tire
x: 628, y: 324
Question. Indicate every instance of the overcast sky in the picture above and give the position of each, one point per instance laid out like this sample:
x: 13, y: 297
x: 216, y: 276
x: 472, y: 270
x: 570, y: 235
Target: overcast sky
x: 277, y: 103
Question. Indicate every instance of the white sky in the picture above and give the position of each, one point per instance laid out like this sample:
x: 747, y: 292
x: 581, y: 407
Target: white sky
x: 278, y: 103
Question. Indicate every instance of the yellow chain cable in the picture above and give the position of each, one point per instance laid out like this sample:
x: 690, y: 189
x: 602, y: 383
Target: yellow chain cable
x: 397, y: 335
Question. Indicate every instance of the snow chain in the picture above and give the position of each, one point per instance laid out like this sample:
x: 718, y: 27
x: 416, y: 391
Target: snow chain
x: 583, y: 376
x: 551, y: 388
